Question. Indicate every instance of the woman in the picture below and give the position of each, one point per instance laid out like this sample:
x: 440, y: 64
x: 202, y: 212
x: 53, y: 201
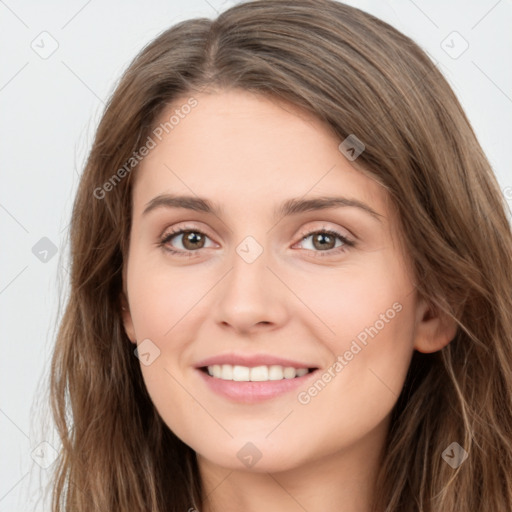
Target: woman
x: 216, y: 352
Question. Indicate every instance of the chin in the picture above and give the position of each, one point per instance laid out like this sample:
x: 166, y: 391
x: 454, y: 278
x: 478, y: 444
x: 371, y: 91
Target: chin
x: 251, y: 456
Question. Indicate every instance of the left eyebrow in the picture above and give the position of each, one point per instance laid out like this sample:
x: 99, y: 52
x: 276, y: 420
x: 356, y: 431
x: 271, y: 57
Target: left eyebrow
x: 289, y: 207
x: 295, y: 206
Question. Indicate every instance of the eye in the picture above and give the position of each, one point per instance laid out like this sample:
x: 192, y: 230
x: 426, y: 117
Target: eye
x: 192, y: 239
x: 324, y: 241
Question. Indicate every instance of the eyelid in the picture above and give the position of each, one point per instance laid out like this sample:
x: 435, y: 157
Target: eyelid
x: 341, y: 231
x: 170, y: 232
x: 183, y: 226
x: 347, y: 242
x: 302, y: 233
x: 177, y: 230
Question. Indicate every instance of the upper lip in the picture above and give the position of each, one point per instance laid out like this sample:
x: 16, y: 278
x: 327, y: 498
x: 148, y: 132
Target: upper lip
x: 251, y: 361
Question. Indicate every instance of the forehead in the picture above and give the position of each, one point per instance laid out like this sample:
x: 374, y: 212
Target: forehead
x: 244, y: 149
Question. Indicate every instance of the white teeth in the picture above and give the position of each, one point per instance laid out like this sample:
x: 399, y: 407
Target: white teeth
x: 227, y: 372
x: 240, y: 373
x: 256, y: 373
x: 275, y: 372
x: 289, y: 373
x: 259, y: 373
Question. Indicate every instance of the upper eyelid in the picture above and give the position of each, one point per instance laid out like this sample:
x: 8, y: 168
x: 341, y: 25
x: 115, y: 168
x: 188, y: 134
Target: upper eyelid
x: 310, y: 231
x: 189, y: 227
x: 178, y: 229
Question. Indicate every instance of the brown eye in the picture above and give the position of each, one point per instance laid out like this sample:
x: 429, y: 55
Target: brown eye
x: 323, y: 241
x: 192, y: 240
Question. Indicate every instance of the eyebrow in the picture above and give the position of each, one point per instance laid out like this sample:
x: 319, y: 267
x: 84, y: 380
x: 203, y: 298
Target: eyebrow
x: 289, y: 207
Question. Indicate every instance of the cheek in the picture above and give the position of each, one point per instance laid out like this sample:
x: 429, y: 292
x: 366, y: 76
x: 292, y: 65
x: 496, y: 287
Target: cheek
x: 360, y: 387
x: 370, y: 315
x: 357, y: 297
x: 164, y: 304
x: 161, y: 298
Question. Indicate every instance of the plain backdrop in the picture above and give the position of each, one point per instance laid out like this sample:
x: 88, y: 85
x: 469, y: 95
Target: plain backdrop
x: 60, y: 62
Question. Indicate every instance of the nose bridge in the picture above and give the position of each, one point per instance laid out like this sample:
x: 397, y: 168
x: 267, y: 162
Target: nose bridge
x: 249, y: 272
x: 250, y: 294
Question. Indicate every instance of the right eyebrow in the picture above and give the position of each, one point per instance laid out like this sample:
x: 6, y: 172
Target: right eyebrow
x: 197, y: 204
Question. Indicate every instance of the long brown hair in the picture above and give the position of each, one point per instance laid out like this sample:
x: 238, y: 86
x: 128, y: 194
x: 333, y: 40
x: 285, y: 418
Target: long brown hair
x: 360, y: 76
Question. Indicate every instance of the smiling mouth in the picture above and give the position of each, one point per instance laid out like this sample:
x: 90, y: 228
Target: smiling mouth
x: 262, y: 373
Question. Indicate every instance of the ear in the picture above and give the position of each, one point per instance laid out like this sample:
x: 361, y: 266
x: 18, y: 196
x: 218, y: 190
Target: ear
x: 127, y: 318
x: 434, y: 328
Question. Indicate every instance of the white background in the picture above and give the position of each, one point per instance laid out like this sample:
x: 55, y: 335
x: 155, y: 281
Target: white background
x: 49, y: 111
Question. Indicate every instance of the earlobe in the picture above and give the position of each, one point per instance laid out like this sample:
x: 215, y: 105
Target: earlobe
x: 434, y: 328
x: 127, y: 318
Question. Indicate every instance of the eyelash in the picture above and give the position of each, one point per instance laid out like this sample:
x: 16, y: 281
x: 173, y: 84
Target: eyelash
x: 331, y: 252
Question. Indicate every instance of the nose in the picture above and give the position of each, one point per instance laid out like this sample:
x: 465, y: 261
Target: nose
x: 251, y: 297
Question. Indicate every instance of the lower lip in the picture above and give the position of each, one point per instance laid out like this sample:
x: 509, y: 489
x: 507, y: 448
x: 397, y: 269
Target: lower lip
x: 251, y: 392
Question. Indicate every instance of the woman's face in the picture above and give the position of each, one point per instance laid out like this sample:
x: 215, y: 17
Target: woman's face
x: 257, y: 282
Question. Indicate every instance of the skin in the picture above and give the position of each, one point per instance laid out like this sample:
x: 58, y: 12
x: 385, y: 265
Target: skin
x: 249, y: 154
